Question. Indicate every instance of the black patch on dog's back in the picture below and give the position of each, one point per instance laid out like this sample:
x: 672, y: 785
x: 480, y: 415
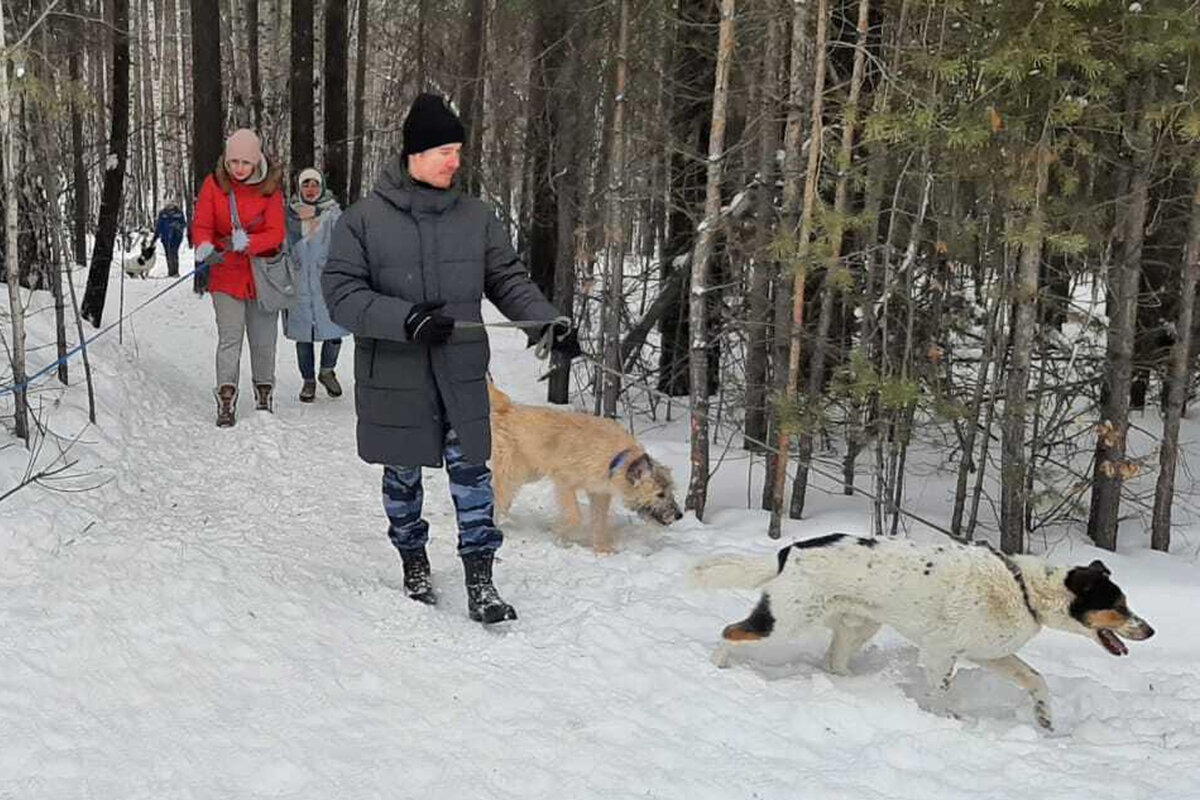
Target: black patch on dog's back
x: 783, y: 557
x: 820, y: 541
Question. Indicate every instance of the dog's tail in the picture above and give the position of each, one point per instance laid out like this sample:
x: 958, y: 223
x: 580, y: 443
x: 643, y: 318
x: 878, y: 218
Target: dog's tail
x: 734, y: 572
x: 498, y: 399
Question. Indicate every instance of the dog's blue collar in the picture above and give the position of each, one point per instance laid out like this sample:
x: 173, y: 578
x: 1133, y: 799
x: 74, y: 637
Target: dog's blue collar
x: 617, y: 462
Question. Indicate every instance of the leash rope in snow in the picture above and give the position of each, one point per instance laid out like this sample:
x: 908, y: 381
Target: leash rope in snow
x: 24, y: 386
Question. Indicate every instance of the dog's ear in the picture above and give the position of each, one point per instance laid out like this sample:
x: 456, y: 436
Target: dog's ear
x: 1081, y: 580
x: 639, y: 469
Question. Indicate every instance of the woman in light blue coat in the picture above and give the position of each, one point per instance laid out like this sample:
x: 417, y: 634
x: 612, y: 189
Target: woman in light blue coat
x: 311, y: 215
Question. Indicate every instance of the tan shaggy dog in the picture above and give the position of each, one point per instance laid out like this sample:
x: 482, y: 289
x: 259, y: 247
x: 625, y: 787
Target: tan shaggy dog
x: 578, y: 452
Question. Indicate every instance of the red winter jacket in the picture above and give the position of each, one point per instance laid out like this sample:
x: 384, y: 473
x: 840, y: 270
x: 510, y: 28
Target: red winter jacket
x: 260, y: 209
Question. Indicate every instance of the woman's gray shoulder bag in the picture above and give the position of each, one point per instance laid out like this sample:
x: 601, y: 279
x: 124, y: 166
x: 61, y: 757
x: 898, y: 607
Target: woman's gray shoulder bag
x: 274, y: 276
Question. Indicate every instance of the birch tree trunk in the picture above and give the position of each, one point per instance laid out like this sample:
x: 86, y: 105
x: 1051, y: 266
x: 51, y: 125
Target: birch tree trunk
x: 1168, y: 454
x: 182, y: 97
x: 81, y: 192
x: 256, y: 96
x: 816, y: 376
x: 793, y: 181
x: 698, y: 302
x: 783, y: 442
x: 154, y: 106
x: 12, y: 268
x: 49, y: 163
x: 614, y: 230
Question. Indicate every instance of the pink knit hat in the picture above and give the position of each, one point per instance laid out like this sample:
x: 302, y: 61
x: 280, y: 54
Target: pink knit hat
x: 243, y: 145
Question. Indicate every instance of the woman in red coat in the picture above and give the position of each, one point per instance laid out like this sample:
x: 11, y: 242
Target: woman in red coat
x: 245, y: 173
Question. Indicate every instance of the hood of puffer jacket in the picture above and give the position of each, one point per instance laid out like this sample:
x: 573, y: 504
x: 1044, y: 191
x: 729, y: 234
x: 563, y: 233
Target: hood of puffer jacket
x: 396, y: 186
x: 270, y: 183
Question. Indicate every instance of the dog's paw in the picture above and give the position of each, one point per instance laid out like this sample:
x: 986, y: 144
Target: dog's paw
x: 1041, y: 712
x: 833, y: 668
x: 720, y: 657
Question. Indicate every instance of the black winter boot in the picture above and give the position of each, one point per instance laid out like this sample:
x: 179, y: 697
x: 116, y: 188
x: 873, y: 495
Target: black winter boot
x: 417, y: 582
x: 483, y: 601
x: 329, y: 380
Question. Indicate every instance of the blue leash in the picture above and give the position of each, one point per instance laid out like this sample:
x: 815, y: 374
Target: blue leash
x: 13, y: 388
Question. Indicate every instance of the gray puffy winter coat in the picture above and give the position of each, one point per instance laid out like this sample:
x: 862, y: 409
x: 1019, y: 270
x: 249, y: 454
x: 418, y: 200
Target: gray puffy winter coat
x: 401, y: 245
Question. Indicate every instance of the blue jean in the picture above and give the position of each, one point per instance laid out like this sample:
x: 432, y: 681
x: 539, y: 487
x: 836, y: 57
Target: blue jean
x: 471, y: 488
x: 306, y: 356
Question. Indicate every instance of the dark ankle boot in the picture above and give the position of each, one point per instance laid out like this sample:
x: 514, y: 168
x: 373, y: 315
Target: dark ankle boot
x: 484, y: 603
x: 418, y: 584
x: 226, y: 395
x: 308, y: 392
x: 329, y: 380
x: 262, y: 397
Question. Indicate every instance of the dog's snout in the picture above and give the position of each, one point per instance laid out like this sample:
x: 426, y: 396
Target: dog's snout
x: 678, y: 515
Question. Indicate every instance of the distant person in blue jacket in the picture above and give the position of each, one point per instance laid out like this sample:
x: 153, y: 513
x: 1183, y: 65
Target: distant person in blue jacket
x: 170, y: 228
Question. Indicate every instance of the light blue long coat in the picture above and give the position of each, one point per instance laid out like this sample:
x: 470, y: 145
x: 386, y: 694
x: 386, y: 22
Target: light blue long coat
x: 306, y: 319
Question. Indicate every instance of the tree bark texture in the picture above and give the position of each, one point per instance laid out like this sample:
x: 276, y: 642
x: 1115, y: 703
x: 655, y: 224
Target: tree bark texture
x: 698, y: 302
x: 336, y: 107
x: 114, y: 172
x: 783, y: 443
x: 303, y: 138
x: 1180, y: 373
x: 1013, y: 493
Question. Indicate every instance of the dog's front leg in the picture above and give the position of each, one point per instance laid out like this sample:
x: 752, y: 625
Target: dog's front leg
x: 568, y: 505
x: 939, y: 670
x: 599, y: 504
x: 1028, y: 679
x: 850, y: 633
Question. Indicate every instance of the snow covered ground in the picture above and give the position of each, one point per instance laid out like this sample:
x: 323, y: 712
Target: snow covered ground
x: 222, y: 618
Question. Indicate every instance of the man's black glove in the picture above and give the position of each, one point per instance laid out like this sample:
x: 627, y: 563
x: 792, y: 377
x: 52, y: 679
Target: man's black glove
x: 426, y: 325
x: 565, y: 341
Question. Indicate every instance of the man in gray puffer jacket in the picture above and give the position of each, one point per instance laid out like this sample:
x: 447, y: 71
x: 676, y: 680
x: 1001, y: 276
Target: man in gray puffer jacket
x: 406, y: 263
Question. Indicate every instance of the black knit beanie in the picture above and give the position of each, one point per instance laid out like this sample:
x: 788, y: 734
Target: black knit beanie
x: 430, y: 123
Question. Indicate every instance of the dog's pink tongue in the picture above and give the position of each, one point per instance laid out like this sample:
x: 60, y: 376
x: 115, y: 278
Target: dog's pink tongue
x: 1111, y: 643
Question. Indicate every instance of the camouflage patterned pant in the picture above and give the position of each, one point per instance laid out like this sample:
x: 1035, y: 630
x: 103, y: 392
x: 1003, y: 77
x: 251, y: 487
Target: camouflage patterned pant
x: 471, y: 488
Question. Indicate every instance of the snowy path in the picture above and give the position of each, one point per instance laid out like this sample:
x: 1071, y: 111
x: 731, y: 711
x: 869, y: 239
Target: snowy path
x: 231, y: 626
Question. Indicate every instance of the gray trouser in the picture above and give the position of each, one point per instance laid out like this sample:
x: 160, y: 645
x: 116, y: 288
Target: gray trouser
x: 235, y: 319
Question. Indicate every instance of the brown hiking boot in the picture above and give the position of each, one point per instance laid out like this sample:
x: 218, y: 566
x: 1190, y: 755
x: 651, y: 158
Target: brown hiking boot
x: 262, y: 397
x: 329, y: 380
x: 226, y: 395
x: 308, y: 392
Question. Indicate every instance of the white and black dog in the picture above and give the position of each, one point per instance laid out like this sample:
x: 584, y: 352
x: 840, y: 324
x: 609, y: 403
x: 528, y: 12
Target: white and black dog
x: 952, y: 600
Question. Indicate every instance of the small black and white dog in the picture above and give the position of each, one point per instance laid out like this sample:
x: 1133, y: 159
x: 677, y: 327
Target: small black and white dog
x: 952, y: 600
